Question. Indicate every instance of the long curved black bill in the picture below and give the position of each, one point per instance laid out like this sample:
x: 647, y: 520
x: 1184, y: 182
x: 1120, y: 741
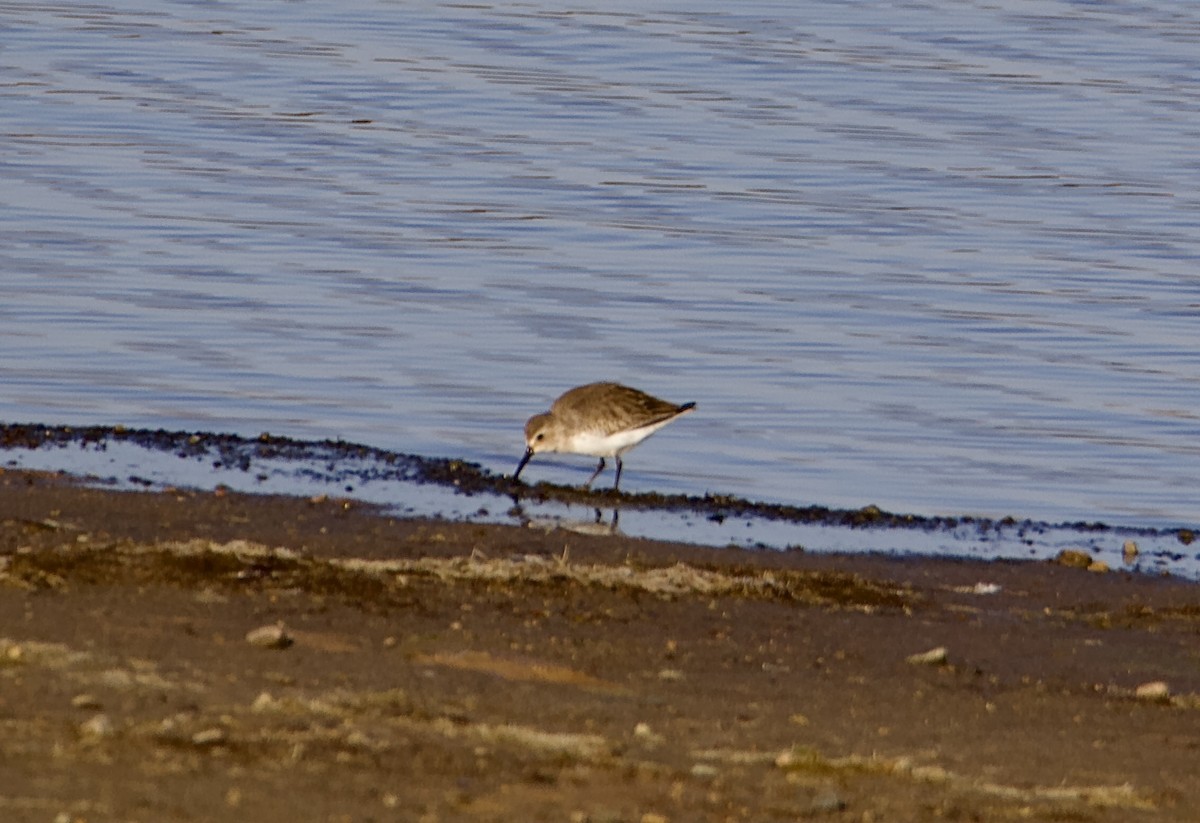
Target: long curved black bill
x: 521, y: 465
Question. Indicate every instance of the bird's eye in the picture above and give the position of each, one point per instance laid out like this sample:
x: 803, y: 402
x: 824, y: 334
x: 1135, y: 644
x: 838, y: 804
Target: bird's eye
x: 540, y: 437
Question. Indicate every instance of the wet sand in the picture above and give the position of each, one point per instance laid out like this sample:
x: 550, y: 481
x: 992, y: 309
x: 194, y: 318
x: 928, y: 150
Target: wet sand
x: 435, y: 671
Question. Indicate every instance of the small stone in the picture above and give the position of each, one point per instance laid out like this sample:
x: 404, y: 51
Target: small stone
x: 985, y: 588
x: 705, y: 771
x: 1130, y: 551
x: 209, y: 737
x: 1098, y: 566
x: 1073, y: 559
x: 654, y: 817
x: 96, y: 727
x: 1155, y: 691
x: 647, y: 735
x: 934, y: 657
x: 264, y: 703
x: 273, y: 636
x: 85, y: 701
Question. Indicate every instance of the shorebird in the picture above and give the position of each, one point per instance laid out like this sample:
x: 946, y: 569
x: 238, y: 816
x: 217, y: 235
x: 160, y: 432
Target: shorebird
x: 600, y: 419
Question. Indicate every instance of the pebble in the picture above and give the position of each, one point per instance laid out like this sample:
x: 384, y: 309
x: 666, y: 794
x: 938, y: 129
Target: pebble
x: 85, y: 701
x: 1098, y: 566
x: 264, y: 703
x: 647, y: 735
x: 1130, y: 551
x: 273, y: 636
x: 1156, y: 690
x: 209, y: 737
x: 933, y: 657
x: 96, y: 727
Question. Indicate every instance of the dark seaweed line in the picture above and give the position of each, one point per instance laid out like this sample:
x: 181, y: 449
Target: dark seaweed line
x: 375, y: 464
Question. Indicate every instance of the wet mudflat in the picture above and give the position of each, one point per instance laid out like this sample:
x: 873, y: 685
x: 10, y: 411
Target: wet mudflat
x: 206, y: 655
x: 455, y: 489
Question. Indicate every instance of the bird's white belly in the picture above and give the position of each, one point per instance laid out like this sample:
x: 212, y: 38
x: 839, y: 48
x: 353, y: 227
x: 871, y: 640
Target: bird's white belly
x: 610, y: 445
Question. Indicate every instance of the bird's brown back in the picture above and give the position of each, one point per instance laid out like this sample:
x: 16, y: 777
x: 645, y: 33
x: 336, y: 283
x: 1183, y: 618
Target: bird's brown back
x: 612, y: 407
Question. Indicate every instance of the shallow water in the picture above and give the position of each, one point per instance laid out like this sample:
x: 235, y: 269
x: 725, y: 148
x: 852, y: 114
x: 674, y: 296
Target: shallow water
x: 415, y: 486
x: 939, y: 257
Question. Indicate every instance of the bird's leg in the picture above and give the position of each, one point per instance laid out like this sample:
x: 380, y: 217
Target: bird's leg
x: 596, y: 473
x: 620, y: 465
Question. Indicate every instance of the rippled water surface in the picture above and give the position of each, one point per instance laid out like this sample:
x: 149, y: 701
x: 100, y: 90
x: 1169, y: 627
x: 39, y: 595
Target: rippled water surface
x: 943, y: 257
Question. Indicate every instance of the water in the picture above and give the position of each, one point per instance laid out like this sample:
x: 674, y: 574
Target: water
x: 937, y: 256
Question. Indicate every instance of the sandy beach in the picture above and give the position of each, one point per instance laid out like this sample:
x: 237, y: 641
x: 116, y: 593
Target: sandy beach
x: 182, y: 655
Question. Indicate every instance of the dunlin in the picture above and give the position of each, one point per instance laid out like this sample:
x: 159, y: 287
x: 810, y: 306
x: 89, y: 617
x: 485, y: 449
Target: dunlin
x: 601, y: 420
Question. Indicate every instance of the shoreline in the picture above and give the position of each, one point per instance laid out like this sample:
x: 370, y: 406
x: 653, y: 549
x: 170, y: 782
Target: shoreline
x: 449, y: 488
x: 456, y: 671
